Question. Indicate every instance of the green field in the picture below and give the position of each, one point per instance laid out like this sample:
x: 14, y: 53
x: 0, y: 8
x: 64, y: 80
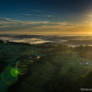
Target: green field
x: 45, y: 67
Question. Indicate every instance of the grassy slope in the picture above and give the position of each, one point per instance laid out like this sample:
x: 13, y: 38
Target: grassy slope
x: 59, y: 68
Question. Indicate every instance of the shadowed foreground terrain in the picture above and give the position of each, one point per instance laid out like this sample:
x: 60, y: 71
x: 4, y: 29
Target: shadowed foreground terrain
x: 48, y: 67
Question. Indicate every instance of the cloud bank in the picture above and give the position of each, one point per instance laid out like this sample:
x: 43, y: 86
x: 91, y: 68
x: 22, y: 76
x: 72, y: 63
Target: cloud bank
x: 45, y: 27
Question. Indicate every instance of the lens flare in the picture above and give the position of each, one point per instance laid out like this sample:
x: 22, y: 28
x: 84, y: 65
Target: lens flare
x: 14, y: 72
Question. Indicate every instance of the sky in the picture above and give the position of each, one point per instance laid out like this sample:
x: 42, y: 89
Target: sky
x: 46, y: 17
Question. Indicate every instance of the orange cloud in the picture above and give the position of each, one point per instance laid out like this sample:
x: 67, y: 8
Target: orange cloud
x: 44, y: 27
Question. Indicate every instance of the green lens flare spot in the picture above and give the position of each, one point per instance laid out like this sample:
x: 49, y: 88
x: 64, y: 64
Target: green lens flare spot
x: 14, y: 72
x: 10, y: 75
